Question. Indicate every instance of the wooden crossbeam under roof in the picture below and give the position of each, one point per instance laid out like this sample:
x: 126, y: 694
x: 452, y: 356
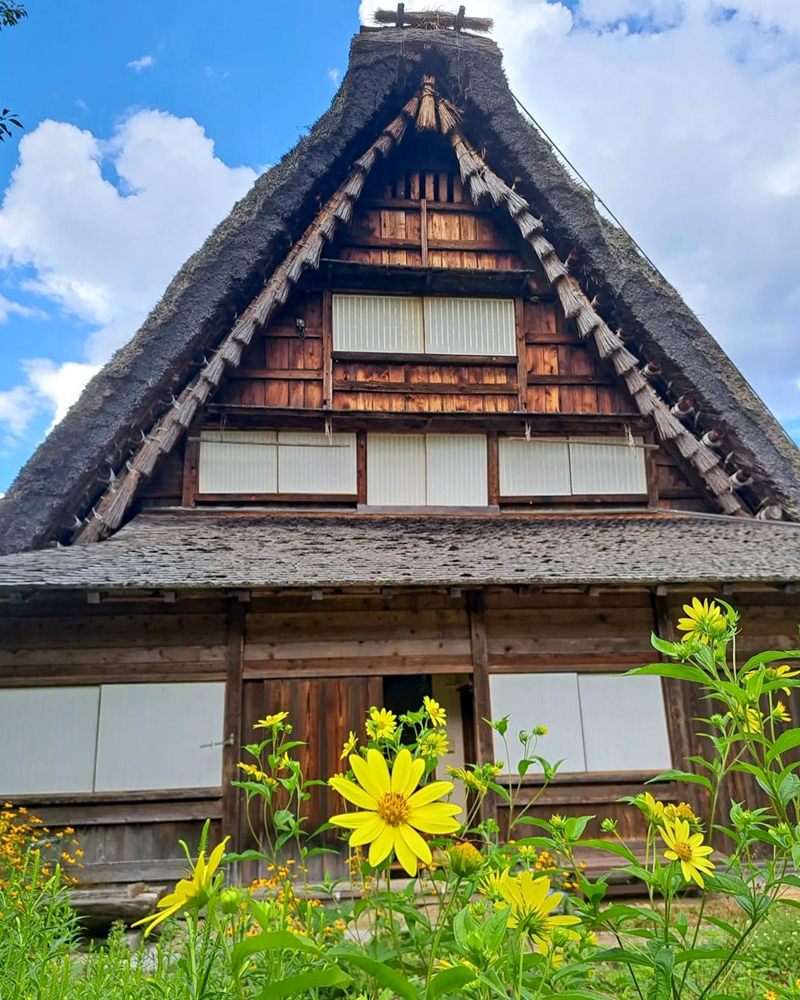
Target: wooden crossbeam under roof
x: 432, y: 20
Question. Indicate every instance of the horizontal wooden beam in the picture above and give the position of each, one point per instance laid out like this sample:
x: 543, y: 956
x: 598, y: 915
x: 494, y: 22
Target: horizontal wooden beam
x: 583, y: 498
x: 373, y: 666
x: 534, y: 379
x: 293, y: 374
x: 382, y: 357
x: 400, y: 243
x: 413, y: 205
x: 104, y: 798
x: 280, y: 497
x: 428, y: 388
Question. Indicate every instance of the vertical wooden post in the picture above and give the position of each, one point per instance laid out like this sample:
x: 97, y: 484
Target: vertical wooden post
x: 481, y: 693
x: 191, y: 457
x: 361, y: 466
x: 651, y: 471
x: 327, y: 349
x: 231, y: 797
x: 423, y: 230
x: 522, y: 360
x: 677, y: 704
x: 493, y: 467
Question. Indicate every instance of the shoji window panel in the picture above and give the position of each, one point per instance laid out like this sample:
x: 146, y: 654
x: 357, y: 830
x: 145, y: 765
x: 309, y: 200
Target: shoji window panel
x: 160, y: 736
x: 434, y: 470
x: 581, y: 466
x: 624, y: 723
x: 530, y: 700
x: 238, y: 462
x: 457, y: 470
x: 607, y: 465
x: 378, y: 323
x: 49, y: 739
x: 470, y: 326
x: 275, y: 462
x: 596, y: 722
x: 534, y: 468
x: 396, y: 470
x: 395, y: 324
x: 311, y: 462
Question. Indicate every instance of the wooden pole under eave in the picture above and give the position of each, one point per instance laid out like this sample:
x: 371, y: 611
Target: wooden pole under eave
x: 481, y: 693
x: 232, y: 797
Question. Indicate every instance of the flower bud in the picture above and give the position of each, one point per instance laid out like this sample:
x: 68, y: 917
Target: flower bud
x: 465, y: 860
x: 230, y: 900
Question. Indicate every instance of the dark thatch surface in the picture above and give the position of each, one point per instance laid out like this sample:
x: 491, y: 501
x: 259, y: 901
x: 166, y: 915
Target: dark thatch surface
x: 217, y: 282
x: 252, y: 550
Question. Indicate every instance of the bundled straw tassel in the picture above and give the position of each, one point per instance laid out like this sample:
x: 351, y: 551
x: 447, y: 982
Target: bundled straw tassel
x: 354, y: 186
x: 410, y: 108
x: 570, y: 296
x: 516, y: 203
x: 622, y: 359
x: 667, y: 426
x: 344, y: 210
x: 426, y: 116
x: 214, y: 371
x: 449, y: 116
x: 607, y: 343
x: 397, y: 128
x: 705, y: 459
x: 497, y: 188
x: 645, y: 401
x: 232, y: 353
x: 729, y: 504
x: 586, y: 321
x: 467, y: 163
x: 542, y: 247
x: 384, y: 144
x: 528, y: 225
x: 366, y: 162
x: 688, y: 445
x: 185, y: 413
x: 478, y: 188
x: 717, y: 480
x: 554, y: 268
x: 634, y: 380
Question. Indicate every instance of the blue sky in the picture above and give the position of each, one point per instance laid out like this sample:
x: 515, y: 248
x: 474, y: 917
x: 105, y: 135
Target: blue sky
x: 145, y: 122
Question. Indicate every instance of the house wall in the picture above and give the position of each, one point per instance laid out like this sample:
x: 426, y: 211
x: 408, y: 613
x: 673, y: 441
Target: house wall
x: 326, y: 661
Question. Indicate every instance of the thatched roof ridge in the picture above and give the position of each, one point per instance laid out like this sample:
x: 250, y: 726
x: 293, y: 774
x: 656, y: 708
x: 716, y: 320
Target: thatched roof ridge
x: 258, y: 549
x: 217, y: 283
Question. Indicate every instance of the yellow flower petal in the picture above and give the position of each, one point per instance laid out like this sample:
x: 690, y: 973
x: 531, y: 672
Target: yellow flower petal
x: 429, y: 819
x: 415, y: 843
x: 405, y: 855
x: 216, y: 857
x: 349, y: 790
x: 381, y: 846
x: 429, y: 793
x: 353, y: 820
x: 368, y: 832
x: 367, y: 777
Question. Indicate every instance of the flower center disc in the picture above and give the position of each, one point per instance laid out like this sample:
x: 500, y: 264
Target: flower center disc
x: 683, y: 850
x: 393, y: 809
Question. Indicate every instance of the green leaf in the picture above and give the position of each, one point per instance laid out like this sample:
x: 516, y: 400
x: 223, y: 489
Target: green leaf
x: 788, y: 789
x: 676, y: 670
x: 450, y: 981
x: 576, y: 825
x: 785, y: 742
x: 675, y: 774
x: 270, y: 941
x: 303, y: 982
x: 494, y: 930
x: 380, y: 972
x: 622, y: 955
x: 229, y: 859
x: 578, y: 995
x: 768, y: 656
x: 704, y: 953
x: 614, y: 847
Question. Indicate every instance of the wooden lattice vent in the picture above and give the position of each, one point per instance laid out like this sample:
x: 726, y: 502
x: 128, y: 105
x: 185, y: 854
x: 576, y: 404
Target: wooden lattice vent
x: 432, y: 20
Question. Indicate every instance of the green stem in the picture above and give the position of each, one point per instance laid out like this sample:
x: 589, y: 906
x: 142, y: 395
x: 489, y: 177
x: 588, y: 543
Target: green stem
x: 440, y: 927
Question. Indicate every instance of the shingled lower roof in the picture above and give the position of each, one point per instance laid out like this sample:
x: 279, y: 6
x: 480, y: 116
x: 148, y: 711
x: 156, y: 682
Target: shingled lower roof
x: 268, y: 550
x: 66, y: 473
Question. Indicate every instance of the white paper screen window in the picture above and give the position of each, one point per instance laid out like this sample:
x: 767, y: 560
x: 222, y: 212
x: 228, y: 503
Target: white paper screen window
x: 160, y: 736
x: 47, y: 739
x: 624, y: 723
x: 457, y: 470
x: 378, y: 323
x: 396, y: 475
x: 607, y: 465
x: 238, y: 462
x: 530, y: 700
x: 470, y: 326
x: 534, y: 468
x: 313, y: 462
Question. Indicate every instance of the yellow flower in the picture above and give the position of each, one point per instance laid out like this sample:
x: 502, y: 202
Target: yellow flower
x: 531, y: 904
x: 770, y: 995
x: 465, y: 860
x: 393, y: 812
x: 651, y: 808
x: 749, y: 718
x: 527, y: 852
x: 539, y: 731
x: 436, y: 713
x: 271, y: 721
x: 192, y: 891
x: 489, y: 885
x: 704, y: 620
x: 349, y: 745
x: 779, y: 713
x: 682, y: 810
x: 381, y: 724
x: 434, y: 744
x: 688, y: 848
x: 776, y: 674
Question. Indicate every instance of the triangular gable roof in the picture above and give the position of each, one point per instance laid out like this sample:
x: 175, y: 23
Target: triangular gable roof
x: 68, y: 472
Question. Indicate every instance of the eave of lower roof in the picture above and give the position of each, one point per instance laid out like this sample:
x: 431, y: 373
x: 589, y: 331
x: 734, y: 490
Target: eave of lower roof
x: 267, y: 550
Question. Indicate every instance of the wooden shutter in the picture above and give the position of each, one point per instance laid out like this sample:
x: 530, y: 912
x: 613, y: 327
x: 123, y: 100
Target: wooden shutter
x: 396, y: 474
x: 457, y: 470
x: 624, y: 724
x: 313, y: 462
x: 606, y: 465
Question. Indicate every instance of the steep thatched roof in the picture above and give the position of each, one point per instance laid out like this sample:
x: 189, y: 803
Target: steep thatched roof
x: 65, y: 474
x: 196, y: 550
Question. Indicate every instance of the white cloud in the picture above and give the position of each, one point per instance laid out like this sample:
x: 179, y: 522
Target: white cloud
x: 7, y: 308
x: 146, y: 62
x: 334, y: 76
x: 103, y: 252
x: 684, y: 115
